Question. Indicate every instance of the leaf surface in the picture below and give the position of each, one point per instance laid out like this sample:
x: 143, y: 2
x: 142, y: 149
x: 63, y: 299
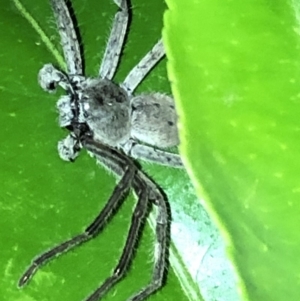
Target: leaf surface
x: 234, y: 68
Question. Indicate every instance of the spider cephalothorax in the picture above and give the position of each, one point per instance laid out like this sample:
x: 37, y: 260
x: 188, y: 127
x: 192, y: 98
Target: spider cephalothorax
x: 114, y: 126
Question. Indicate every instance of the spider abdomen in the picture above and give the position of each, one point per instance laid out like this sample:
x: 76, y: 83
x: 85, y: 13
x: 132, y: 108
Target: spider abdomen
x: 154, y: 120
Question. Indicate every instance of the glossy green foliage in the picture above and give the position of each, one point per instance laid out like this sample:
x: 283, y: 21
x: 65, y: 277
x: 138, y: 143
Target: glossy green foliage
x: 44, y: 200
x: 235, y: 70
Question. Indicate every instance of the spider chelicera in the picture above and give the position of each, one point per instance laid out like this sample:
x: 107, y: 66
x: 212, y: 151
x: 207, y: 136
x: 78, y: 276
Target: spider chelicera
x: 115, y: 127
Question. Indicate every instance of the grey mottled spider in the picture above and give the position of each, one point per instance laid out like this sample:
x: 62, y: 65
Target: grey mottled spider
x: 114, y: 126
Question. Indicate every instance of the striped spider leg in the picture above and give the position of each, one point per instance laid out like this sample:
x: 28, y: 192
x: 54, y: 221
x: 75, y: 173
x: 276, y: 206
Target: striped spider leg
x: 146, y: 191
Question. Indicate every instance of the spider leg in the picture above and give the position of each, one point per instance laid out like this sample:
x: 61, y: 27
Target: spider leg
x: 141, y: 184
x: 137, y: 74
x: 162, y: 234
x: 129, y: 170
x: 68, y: 37
x: 115, y: 42
x: 138, y: 218
x: 152, y: 154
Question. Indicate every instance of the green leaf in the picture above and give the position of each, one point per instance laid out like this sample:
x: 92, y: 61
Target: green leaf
x: 234, y: 68
x: 44, y: 200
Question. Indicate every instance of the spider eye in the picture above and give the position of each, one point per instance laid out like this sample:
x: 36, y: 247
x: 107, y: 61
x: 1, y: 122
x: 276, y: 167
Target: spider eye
x: 51, y: 86
x: 86, y: 107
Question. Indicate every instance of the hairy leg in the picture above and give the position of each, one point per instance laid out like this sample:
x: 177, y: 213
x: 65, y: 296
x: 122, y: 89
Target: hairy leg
x: 69, y: 41
x: 115, y: 42
x: 137, y: 74
x: 141, y: 183
x: 129, y: 171
x: 162, y: 232
x: 152, y: 154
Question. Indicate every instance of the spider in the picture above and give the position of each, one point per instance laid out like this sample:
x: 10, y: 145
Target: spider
x: 115, y: 127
